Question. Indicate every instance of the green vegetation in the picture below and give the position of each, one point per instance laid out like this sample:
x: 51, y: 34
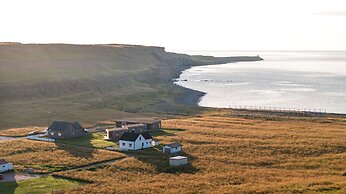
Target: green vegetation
x: 92, y: 83
x: 92, y: 140
x: 39, y: 185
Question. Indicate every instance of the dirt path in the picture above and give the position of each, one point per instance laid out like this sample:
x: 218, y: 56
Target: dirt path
x: 98, y: 164
x: 15, y: 177
x: 3, y: 138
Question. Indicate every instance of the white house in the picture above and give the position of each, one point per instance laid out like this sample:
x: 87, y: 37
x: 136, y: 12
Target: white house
x: 172, y: 148
x: 135, y: 141
x: 5, y: 166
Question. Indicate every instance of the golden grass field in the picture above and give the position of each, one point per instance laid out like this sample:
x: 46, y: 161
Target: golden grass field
x: 17, y: 132
x: 47, y: 157
x: 231, y: 154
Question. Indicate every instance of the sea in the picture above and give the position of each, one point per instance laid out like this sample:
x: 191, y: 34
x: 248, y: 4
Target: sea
x: 289, y: 80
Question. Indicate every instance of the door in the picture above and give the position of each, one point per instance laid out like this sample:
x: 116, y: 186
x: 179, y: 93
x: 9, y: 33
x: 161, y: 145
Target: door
x: 142, y: 145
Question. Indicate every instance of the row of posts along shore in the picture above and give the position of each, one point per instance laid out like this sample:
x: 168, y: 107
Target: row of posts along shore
x: 280, y: 111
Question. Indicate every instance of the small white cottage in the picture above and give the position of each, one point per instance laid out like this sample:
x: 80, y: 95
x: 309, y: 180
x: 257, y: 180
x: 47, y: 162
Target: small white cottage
x: 135, y: 141
x: 178, y: 161
x: 172, y: 148
x: 5, y: 166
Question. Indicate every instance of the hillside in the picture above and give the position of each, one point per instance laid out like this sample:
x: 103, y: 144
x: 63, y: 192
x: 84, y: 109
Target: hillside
x: 90, y: 83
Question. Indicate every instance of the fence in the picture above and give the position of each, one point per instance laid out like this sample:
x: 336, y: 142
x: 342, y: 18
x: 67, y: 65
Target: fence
x: 41, y: 139
x: 279, y: 109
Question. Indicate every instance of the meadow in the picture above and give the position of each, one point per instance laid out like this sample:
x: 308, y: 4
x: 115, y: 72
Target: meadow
x: 95, y: 140
x: 19, y: 132
x: 234, y: 154
x: 46, y: 157
x: 39, y: 185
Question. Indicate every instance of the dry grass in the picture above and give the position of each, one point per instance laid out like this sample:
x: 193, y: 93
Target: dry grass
x: 17, y: 132
x: 46, y: 157
x: 236, y: 155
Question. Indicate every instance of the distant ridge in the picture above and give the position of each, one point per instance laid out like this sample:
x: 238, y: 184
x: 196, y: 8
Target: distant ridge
x: 93, y: 82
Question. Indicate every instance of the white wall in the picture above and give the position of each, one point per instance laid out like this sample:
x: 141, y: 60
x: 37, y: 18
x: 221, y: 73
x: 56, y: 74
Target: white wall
x: 175, y: 162
x: 125, y: 145
x: 6, y: 167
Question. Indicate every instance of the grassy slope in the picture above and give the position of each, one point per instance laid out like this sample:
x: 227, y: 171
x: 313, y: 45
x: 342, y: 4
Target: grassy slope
x: 232, y: 154
x: 38, y: 185
x: 91, y: 140
x: 89, y: 83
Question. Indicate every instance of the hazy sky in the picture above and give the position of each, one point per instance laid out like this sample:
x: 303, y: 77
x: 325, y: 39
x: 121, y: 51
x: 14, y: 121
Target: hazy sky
x: 179, y: 24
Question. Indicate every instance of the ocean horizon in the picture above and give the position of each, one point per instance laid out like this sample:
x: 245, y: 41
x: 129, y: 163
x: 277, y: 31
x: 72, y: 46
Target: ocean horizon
x: 294, y: 80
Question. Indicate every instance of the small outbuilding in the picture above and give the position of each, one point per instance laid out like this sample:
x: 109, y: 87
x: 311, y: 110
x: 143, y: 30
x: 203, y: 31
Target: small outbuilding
x: 172, y: 148
x: 155, y: 142
x: 178, y: 161
x: 5, y: 166
x: 62, y: 130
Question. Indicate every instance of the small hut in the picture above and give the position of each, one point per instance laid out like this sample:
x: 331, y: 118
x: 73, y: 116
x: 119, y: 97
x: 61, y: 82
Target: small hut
x: 178, y: 161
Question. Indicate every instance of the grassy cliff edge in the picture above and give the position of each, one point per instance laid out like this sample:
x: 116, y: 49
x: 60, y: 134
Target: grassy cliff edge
x: 90, y: 83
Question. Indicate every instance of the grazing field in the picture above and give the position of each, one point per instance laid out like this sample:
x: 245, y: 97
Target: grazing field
x: 234, y: 155
x: 48, y: 157
x: 18, y: 132
x: 38, y: 185
x: 92, y: 140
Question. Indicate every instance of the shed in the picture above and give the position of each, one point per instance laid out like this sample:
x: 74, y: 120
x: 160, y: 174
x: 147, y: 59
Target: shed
x: 5, y: 166
x: 178, y: 161
x: 155, y: 142
x: 172, y: 148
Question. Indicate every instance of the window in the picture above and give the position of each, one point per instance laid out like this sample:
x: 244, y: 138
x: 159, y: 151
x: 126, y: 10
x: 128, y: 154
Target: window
x: 59, y: 134
x: 130, y: 144
x: 140, y: 138
x: 123, y: 144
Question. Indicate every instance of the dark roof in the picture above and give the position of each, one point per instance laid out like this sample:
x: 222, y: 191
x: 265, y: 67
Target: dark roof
x: 146, y: 135
x: 140, y: 120
x: 63, y: 126
x: 132, y: 136
x: 2, y: 161
x: 174, y: 145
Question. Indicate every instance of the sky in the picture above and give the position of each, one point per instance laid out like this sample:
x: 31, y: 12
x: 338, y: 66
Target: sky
x: 179, y: 24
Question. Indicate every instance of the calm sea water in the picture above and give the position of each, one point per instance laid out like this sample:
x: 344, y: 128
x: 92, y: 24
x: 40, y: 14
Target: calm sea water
x: 296, y: 80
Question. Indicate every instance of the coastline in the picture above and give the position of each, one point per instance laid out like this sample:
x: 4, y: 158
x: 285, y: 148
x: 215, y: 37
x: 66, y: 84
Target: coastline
x: 191, y: 97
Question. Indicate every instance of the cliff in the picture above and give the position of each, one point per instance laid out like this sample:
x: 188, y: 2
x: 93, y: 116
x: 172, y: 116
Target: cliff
x: 93, y: 82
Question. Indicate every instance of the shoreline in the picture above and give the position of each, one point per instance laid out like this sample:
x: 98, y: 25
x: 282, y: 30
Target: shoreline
x: 191, y: 97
